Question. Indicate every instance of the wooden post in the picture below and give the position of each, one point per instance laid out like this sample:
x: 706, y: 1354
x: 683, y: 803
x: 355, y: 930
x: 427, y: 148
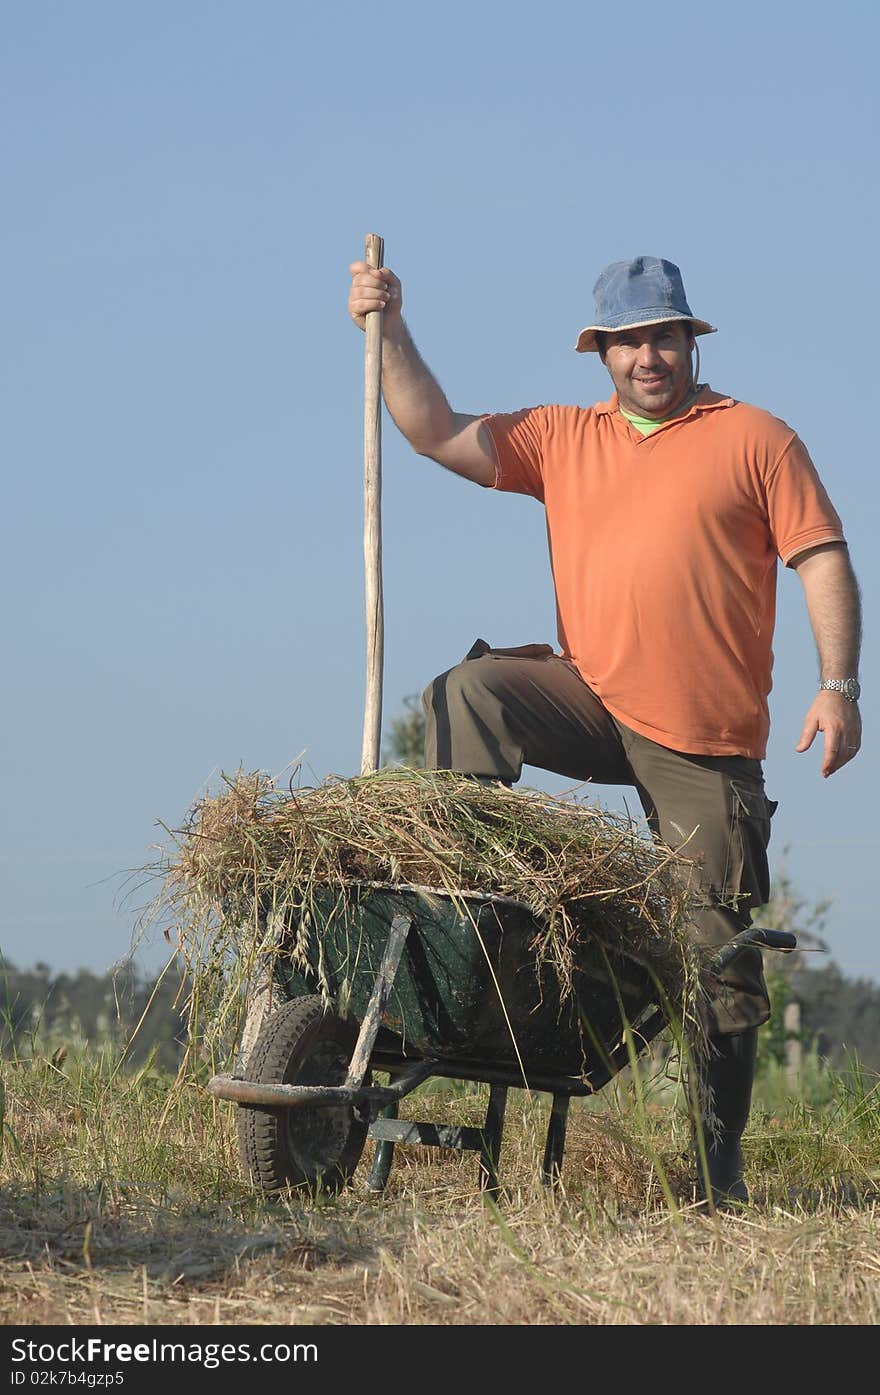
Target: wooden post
x: 373, y: 255
x: 794, y: 1048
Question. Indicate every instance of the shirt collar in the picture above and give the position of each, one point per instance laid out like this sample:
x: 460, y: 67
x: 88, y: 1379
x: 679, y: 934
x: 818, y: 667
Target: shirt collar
x: 706, y: 401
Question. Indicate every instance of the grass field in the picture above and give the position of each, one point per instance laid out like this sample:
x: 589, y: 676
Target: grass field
x: 122, y: 1203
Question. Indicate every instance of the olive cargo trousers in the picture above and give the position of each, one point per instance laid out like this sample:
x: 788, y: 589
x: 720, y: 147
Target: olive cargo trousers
x: 500, y: 709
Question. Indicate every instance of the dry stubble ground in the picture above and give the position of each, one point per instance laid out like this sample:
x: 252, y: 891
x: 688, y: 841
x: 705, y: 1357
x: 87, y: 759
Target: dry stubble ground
x: 122, y: 1203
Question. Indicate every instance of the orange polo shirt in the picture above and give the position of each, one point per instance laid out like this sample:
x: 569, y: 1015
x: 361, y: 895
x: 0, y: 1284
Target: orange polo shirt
x: 664, y: 551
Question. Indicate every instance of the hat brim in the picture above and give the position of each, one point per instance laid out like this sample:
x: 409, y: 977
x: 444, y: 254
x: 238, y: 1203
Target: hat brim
x: 586, y: 342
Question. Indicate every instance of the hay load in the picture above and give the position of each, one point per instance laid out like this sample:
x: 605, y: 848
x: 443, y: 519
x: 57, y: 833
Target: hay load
x: 254, y: 860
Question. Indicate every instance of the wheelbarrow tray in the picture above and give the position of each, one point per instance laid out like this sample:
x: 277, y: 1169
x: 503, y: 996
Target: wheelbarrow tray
x: 470, y: 987
x: 426, y: 984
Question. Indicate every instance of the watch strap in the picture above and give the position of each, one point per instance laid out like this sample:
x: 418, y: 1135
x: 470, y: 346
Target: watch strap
x: 849, y: 687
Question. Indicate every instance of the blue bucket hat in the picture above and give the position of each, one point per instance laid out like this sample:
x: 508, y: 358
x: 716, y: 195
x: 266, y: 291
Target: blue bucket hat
x: 643, y: 291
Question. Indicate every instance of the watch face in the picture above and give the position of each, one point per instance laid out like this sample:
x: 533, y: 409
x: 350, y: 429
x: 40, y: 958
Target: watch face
x: 852, y: 689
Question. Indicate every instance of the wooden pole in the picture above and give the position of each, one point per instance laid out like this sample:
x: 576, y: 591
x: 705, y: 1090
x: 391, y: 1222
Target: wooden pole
x: 373, y: 255
x: 794, y: 1050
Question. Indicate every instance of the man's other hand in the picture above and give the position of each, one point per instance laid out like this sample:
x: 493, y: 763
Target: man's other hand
x: 839, y: 720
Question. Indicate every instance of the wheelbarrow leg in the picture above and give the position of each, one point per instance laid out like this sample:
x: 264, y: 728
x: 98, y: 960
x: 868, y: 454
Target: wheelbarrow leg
x: 384, y: 1154
x: 555, y: 1146
x: 492, y: 1132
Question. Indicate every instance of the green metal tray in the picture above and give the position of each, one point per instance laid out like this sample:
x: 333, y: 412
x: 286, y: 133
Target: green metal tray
x: 469, y: 987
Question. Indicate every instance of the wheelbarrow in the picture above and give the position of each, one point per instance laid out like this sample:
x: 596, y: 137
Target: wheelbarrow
x: 420, y: 984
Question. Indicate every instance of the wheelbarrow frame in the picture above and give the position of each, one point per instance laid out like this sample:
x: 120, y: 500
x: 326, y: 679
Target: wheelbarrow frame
x: 377, y: 1105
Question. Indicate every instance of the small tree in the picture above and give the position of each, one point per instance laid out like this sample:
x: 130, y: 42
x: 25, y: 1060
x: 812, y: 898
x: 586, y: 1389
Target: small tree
x: 406, y: 736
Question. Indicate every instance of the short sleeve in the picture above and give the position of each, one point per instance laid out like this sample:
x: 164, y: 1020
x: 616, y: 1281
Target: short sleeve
x: 518, y: 438
x: 801, y: 514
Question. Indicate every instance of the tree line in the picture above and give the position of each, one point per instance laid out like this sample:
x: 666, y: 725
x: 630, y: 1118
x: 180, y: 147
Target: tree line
x: 43, y: 1012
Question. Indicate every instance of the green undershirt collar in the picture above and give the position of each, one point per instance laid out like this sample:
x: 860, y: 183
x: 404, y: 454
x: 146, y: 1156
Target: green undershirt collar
x: 645, y: 425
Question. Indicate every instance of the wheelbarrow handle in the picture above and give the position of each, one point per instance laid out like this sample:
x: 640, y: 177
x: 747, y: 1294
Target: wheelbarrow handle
x: 755, y: 935
x: 777, y: 939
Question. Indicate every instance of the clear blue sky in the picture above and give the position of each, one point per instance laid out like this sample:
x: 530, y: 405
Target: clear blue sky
x: 184, y: 186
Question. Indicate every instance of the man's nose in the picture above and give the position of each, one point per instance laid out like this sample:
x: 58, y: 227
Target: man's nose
x: 647, y: 355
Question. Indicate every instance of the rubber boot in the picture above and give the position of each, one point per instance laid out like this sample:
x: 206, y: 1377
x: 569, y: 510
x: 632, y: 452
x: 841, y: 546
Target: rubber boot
x: 729, y: 1073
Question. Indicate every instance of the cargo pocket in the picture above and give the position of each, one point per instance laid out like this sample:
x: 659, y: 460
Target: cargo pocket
x: 748, y: 871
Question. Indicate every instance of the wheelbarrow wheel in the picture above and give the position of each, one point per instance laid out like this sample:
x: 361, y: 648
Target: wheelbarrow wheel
x: 316, y: 1148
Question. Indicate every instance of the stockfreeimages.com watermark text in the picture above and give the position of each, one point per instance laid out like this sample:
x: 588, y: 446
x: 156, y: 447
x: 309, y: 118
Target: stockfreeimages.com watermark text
x: 97, y: 1351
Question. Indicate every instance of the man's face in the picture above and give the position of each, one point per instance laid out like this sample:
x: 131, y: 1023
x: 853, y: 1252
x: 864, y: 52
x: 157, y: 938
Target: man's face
x: 650, y: 367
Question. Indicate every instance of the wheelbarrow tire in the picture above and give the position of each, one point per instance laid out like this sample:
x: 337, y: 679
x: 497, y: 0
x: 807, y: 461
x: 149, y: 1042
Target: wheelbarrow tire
x: 314, y: 1148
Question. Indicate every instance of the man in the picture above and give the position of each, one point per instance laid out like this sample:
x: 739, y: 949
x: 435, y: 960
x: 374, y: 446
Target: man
x: 667, y: 509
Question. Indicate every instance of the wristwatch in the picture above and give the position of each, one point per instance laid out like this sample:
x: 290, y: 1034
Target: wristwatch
x: 848, y: 686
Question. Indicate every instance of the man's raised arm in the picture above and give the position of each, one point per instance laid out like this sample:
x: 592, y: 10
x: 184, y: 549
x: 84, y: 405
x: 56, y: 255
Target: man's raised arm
x: 417, y: 403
